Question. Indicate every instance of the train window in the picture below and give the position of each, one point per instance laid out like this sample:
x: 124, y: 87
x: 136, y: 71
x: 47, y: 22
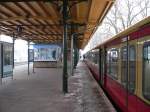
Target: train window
x: 108, y: 62
x: 102, y: 65
x: 124, y: 65
x: 97, y: 58
x: 112, y: 62
x: 94, y: 58
x: 132, y: 68
x: 146, y: 71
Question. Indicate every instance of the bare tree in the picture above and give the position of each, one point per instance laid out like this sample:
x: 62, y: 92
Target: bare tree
x: 124, y: 15
x: 145, y: 6
x: 112, y: 20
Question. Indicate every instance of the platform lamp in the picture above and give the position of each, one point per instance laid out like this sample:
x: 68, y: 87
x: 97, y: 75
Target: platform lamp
x: 19, y: 29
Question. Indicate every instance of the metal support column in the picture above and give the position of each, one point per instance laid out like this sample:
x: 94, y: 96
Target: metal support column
x: 65, y: 75
x: 33, y: 63
x: 13, y: 50
x: 77, y: 56
x: 127, y: 71
x: 28, y: 58
x: 100, y: 63
x: 1, y: 56
x: 75, y: 53
x: 72, y: 54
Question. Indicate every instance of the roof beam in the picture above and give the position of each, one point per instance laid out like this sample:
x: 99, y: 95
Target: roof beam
x: 37, y: 0
x: 26, y: 17
x: 43, y: 39
x: 28, y: 13
x: 46, y: 13
x: 46, y: 34
x: 42, y: 25
x: 34, y: 34
x: 12, y: 11
x: 52, y: 13
x: 31, y: 18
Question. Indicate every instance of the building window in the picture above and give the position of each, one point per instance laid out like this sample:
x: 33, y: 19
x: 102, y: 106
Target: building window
x: 146, y: 70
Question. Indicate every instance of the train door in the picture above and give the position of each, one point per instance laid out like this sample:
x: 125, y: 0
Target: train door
x: 128, y: 71
x: 124, y: 72
x: 101, y: 65
x: 131, y: 76
x: 143, y: 74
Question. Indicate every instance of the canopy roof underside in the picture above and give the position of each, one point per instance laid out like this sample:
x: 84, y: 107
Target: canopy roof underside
x: 41, y: 21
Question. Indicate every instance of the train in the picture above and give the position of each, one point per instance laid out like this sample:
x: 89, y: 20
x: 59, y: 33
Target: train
x: 121, y: 66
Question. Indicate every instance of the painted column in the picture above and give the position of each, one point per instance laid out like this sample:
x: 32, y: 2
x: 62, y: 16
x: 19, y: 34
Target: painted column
x: 28, y: 58
x: 72, y: 54
x: 75, y: 53
x: 65, y: 74
x: 13, y: 50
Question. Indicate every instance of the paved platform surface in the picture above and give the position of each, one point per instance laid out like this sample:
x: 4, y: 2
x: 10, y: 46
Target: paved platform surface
x: 88, y: 94
x: 42, y: 92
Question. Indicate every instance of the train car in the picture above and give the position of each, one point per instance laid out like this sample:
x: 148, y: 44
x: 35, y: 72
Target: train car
x: 121, y: 66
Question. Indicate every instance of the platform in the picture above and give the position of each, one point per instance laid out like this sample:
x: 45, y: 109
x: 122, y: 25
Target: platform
x: 42, y: 92
x: 88, y: 94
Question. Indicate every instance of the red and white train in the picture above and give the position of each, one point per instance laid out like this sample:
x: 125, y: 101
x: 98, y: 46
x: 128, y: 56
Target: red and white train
x: 121, y: 65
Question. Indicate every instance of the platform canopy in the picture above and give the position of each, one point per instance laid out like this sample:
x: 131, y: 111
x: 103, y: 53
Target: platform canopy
x: 41, y: 21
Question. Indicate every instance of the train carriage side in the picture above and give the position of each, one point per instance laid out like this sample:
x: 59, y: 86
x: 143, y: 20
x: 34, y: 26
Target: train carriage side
x: 127, y: 64
x: 143, y: 68
x: 123, y: 69
x: 92, y: 60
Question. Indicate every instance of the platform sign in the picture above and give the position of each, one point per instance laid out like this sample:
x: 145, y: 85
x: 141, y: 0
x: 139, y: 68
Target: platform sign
x: 31, y: 55
x: 46, y: 52
x: 7, y: 58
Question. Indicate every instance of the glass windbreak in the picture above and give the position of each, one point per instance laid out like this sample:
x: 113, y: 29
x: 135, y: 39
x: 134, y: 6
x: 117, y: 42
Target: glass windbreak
x: 146, y: 71
x: 7, y: 60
